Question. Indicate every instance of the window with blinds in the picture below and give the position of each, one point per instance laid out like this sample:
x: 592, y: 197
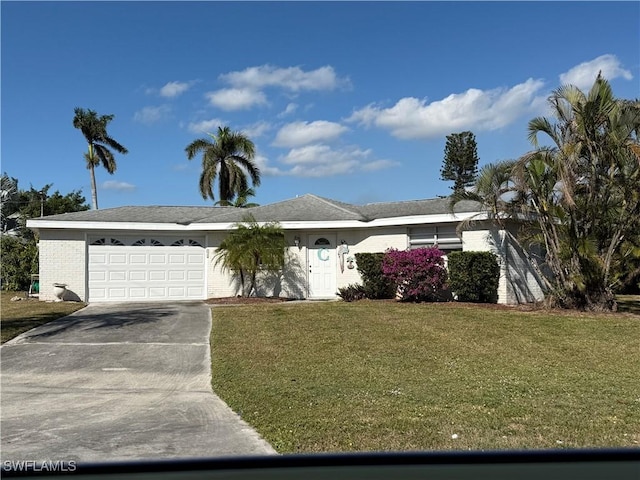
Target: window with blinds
x: 442, y: 236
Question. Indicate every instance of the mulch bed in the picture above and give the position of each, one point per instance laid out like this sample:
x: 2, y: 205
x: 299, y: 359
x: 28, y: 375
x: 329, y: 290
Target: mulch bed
x: 245, y: 300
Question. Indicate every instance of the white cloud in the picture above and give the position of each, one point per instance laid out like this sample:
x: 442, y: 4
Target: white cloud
x: 583, y: 75
x: 291, y: 108
x: 413, y: 118
x: 149, y: 115
x: 119, y: 186
x: 297, y: 134
x: 265, y: 169
x: 323, y: 161
x: 173, y: 89
x: 236, y: 98
x: 205, y: 126
x: 292, y: 78
x: 258, y: 129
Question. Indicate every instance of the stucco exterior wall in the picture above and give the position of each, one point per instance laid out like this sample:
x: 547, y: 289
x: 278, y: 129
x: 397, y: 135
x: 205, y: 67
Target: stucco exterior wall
x: 62, y: 260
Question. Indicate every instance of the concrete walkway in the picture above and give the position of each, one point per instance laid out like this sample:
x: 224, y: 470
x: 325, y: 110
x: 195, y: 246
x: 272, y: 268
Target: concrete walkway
x: 118, y: 382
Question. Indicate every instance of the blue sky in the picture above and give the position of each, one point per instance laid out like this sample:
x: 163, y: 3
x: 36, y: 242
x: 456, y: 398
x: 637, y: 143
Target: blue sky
x: 347, y: 100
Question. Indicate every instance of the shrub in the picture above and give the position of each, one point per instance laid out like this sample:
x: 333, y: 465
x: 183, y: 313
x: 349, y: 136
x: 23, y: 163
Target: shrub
x: 19, y: 261
x: 473, y: 276
x: 375, y: 284
x: 352, y: 292
x: 420, y: 274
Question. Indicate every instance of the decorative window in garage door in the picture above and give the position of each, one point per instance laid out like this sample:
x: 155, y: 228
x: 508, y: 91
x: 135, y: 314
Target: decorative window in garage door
x: 147, y: 241
x: 186, y: 241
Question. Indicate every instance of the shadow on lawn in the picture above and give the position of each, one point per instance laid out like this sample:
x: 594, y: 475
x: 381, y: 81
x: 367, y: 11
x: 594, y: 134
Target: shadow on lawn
x: 629, y: 304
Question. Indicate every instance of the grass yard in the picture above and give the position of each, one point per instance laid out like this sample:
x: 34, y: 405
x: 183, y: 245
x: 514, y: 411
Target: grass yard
x: 18, y: 317
x: 365, y: 376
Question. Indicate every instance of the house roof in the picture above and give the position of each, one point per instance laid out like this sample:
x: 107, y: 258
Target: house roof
x: 303, y: 209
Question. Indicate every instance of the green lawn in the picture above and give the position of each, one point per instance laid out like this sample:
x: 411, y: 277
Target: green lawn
x: 18, y: 317
x: 336, y: 376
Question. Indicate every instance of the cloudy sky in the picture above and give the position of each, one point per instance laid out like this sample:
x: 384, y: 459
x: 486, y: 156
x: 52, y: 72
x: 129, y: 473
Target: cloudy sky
x: 348, y: 100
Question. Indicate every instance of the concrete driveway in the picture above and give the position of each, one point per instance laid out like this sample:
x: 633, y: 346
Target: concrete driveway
x: 118, y: 382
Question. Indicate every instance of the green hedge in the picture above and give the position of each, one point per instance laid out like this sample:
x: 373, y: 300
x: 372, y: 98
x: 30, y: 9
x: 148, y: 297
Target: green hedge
x: 473, y: 276
x: 374, y: 283
x: 19, y: 261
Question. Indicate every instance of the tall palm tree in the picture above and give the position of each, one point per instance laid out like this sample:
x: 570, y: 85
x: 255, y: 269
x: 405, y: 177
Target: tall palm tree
x: 227, y: 156
x: 578, y: 198
x: 94, y: 129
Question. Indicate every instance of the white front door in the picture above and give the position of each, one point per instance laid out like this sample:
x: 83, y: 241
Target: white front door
x: 322, y: 266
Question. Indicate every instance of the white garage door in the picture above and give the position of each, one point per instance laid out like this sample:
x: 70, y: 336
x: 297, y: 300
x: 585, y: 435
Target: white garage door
x: 146, y: 269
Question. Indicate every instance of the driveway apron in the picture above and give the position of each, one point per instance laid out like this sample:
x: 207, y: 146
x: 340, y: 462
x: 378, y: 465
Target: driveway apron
x: 118, y: 382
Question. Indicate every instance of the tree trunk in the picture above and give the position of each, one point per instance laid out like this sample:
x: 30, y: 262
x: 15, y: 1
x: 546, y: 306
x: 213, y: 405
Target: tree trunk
x: 94, y: 189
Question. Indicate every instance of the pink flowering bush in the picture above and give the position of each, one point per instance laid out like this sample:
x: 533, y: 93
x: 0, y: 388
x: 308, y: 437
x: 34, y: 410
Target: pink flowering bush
x: 420, y: 274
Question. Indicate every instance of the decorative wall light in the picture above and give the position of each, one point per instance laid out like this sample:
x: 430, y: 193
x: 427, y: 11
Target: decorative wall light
x: 296, y: 240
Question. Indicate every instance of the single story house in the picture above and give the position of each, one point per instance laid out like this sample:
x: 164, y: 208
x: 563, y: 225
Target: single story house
x: 158, y: 253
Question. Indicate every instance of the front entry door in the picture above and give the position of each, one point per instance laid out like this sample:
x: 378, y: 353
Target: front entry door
x: 322, y: 266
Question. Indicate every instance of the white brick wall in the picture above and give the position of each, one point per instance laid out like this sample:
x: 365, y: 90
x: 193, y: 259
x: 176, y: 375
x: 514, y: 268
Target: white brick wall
x: 518, y: 281
x: 293, y: 282
x: 62, y: 260
x: 368, y: 241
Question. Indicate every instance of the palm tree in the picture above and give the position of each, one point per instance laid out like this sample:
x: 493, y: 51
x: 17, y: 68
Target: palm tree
x: 227, y: 156
x: 595, y: 202
x: 252, y: 248
x: 94, y: 129
x: 242, y: 200
x: 577, y: 199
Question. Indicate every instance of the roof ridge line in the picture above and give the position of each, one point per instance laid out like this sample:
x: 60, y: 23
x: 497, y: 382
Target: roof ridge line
x: 328, y: 201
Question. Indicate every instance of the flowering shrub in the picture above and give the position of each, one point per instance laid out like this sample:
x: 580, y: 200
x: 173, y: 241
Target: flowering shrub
x: 420, y: 274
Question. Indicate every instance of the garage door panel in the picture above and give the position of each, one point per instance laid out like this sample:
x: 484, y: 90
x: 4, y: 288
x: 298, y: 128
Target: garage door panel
x: 195, y: 259
x: 97, y: 293
x: 157, y: 259
x: 157, y: 292
x: 195, y: 291
x: 195, y: 275
x: 121, y: 273
x: 138, y: 259
x: 117, y: 276
x: 138, y: 275
x: 179, y: 275
x: 98, y: 259
x: 177, y: 259
x: 157, y: 276
x: 137, y: 293
x: 117, y: 293
x: 97, y: 276
x: 176, y: 292
x: 117, y: 258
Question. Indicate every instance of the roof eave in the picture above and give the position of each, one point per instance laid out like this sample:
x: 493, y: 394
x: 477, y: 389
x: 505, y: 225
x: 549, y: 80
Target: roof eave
x: 38, y: 224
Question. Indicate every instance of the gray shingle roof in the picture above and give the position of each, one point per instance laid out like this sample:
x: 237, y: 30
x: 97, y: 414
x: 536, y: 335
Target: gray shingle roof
x: 150, y: 214
x: 431, y: 206
x: 304, y: 208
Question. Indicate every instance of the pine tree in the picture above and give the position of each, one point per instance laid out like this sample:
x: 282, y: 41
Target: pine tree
x: 460, y: 161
